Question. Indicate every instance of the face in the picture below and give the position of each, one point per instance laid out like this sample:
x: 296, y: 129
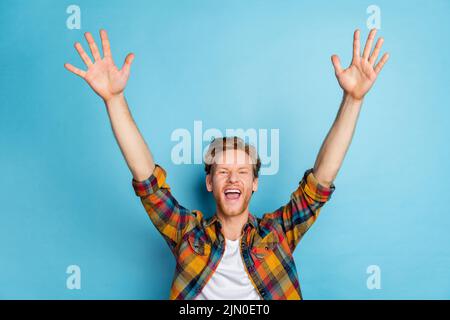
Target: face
x: 232, y: 182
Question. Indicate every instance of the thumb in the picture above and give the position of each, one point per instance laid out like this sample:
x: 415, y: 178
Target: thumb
x: 127, y: 64
x: 336, y: 64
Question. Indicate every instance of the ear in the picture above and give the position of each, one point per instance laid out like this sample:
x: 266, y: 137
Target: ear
x: 208, y: 181
x: 255, y: 185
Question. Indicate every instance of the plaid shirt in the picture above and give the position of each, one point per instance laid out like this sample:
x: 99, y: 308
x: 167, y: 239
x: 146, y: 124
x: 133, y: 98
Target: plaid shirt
x: 266, y: 245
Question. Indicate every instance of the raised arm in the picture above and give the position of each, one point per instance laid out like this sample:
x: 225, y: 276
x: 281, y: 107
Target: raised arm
x: 355, y: 81
x: 109, y: 83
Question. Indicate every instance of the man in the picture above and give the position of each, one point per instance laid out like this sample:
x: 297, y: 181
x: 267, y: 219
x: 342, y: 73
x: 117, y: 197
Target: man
x: 233, y: 254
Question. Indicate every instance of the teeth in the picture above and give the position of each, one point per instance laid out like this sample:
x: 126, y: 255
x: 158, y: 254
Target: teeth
x: 232, y: 191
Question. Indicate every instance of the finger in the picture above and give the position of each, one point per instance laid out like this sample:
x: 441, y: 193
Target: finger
x: 376, y: 51
x: 75, y: 70
x: 356, y: 46
x: 93, y: 46
x: 336, y: 64
x: 105, y: 44
x: 83, y: 54
x: 369, y: 42
x: 127, y: 64
x: 381, y: 63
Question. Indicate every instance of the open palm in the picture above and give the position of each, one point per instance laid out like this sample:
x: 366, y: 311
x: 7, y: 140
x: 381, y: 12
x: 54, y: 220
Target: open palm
x: 359, y: 77
x: 102, y: 75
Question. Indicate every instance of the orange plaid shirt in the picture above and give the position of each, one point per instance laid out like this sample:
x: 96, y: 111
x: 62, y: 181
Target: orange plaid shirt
x: 266, y: 246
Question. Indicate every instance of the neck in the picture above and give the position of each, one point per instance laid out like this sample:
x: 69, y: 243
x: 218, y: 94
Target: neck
x: 232, y: 225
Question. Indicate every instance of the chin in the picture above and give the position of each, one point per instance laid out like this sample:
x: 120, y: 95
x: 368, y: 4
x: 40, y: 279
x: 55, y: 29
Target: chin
x: 232, y: 210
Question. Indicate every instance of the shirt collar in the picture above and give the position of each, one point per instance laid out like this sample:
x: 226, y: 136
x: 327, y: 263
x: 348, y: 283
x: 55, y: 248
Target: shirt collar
x: 252, y: 221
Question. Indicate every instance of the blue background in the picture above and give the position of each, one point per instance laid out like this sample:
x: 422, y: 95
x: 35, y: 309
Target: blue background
x: 66, y: 195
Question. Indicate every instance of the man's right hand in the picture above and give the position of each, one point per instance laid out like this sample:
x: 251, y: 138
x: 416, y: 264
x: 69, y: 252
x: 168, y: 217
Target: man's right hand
x: 102, y: 75
x: 109, y: 82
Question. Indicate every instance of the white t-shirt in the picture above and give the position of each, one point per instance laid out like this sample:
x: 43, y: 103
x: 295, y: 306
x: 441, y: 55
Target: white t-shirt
x: 230, y: 280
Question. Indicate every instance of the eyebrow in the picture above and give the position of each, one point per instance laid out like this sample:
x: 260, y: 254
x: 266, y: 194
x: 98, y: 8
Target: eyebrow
x: 240, y: 168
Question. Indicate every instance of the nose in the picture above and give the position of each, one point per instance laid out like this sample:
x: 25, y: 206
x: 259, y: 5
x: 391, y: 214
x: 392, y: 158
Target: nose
x: 232, y: 176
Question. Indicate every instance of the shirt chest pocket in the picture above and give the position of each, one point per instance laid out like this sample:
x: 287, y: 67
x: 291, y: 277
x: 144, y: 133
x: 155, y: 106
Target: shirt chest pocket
x: 264, y: 246
x: 199, y: 244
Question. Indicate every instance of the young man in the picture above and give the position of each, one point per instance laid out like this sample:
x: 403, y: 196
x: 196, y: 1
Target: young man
x: 233, y: 255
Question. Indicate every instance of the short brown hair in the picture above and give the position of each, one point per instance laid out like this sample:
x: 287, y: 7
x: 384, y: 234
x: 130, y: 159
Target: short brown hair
x: 231, y: 143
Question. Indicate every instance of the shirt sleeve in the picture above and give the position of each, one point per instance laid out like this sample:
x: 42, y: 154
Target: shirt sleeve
x: 169, y: 217
x: 303, y: 208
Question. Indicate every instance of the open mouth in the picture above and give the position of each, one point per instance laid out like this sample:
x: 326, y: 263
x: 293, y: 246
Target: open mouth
x: 232, y: 194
